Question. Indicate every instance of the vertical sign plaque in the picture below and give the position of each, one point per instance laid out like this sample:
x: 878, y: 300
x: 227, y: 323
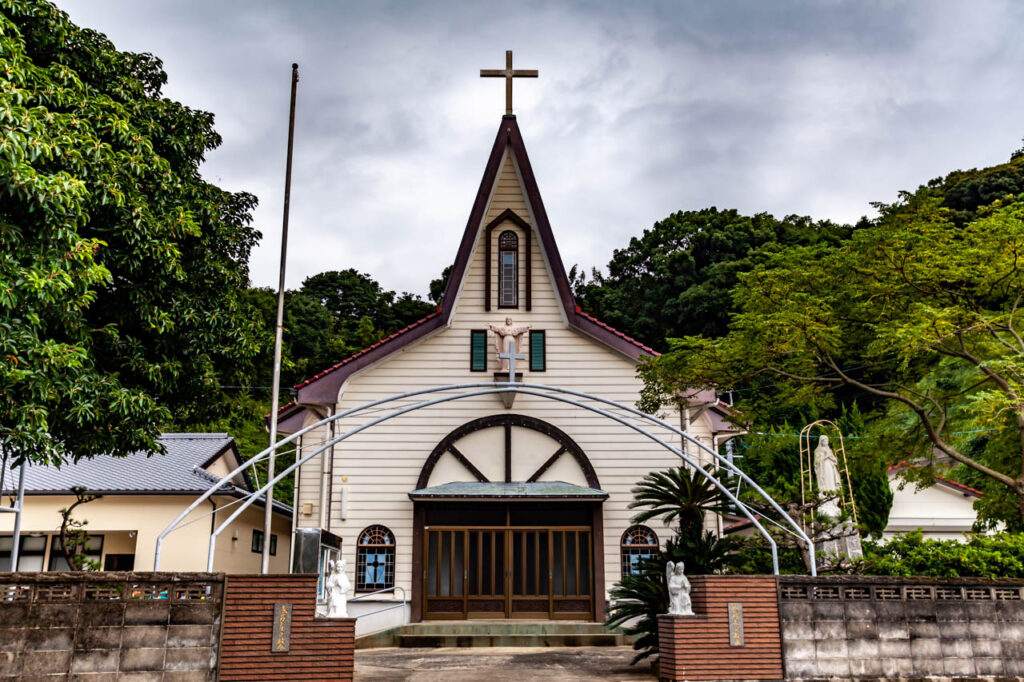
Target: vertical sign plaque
x: 735, y: 623
x: 282, y: 641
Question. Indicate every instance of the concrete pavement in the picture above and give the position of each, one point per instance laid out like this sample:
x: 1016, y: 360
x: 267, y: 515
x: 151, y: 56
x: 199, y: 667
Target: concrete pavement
x: 499, y: 664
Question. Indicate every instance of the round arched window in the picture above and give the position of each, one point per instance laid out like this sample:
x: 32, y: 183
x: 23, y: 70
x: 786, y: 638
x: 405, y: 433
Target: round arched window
x: 375, y: 559
x: 638, y: 544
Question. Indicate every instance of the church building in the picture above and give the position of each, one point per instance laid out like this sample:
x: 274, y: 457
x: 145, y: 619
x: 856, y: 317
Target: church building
x: 494, y: 506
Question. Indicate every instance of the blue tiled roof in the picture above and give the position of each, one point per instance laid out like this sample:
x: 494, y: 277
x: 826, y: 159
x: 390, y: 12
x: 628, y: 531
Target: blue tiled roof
x: 178, y: 471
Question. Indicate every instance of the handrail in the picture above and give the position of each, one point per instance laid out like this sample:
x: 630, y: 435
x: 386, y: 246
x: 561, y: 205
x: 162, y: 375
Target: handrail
x: 364, y: 595
x: 390, y: 607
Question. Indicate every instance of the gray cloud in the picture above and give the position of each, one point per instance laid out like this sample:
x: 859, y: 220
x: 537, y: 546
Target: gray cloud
x: 641, y: 109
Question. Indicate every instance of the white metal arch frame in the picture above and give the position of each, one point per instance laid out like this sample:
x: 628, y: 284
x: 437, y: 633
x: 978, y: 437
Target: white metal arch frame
x: 563, y: 395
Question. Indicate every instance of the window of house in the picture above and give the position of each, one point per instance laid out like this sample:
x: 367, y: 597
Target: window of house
x: 375, y: 559
x: 508, y: 270
x: 638, y: 544
x: 93, y: 550
x: 257, y: 542
x: 30, y: 555
x: 538, y: 352
x: 478, y: 350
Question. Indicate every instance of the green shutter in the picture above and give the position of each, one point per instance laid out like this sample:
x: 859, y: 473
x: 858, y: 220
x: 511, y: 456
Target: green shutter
x: 538, y: 363
x: 478, y: 351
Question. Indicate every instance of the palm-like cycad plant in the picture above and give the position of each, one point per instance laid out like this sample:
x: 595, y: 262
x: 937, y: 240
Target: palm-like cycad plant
x: 682, y: 495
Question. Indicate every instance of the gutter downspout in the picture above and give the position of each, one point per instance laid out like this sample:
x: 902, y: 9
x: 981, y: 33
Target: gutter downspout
x: 326, y: 470
x: 295, y: 507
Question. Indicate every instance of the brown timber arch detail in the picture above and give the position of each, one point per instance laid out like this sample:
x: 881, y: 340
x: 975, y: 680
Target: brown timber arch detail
x: 566, y: 446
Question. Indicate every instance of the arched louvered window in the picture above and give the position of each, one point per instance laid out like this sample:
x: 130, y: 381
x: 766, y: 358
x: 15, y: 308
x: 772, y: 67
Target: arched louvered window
x: 508, y: 270
x: 638, y: 543
x: 375, y: 559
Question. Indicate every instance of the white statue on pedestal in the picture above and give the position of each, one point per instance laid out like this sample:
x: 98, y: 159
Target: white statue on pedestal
x: 501, y: 336
x: 678, y: 590
x: 337, y: 585
x: 826, y: 471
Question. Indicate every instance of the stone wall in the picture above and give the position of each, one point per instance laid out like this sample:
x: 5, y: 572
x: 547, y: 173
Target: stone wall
x: 704, y: 647
x: 107, y: 626
x: 318, y: 648
x: 864, y: 627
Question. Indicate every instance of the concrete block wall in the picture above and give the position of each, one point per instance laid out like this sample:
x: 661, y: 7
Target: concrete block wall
x: 865, y: 627
x: 109, y: 626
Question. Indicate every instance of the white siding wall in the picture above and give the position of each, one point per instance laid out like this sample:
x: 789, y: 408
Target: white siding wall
x: 381, y: 466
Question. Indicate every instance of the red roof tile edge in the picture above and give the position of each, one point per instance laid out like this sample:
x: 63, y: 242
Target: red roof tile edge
x: 366, y: 350
x: 940, y: 479
x: 613, y: 330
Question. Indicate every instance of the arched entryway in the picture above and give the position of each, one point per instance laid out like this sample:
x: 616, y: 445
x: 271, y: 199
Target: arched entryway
x: 498, y: 531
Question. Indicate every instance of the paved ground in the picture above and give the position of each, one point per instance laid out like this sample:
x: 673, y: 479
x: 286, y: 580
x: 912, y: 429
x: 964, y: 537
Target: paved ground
x: 499, y: 664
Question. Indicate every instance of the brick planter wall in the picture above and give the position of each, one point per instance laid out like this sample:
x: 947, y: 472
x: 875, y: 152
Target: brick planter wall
x: 109, y: 625
x: 867, y: 627
x: 321, y: 649
x: 698, y: 647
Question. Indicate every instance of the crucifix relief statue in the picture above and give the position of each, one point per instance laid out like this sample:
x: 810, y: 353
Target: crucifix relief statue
x: 504, y: 336
x: 508, y: 73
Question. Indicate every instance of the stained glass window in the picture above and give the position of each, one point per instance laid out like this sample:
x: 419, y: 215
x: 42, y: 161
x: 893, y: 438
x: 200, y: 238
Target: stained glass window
x: 375, y: 559
x: 638, y: 544
x: 508, y: 270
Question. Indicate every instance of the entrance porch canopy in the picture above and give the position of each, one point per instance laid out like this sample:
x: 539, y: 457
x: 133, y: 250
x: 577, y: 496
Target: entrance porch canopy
x: 535, y: 490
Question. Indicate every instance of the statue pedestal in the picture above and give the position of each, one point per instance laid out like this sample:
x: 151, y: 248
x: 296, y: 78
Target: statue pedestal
x: 508, y: 397
x: 734, y: 636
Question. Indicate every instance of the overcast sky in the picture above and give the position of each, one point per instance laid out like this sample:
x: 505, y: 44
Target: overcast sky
x: 641, y: 109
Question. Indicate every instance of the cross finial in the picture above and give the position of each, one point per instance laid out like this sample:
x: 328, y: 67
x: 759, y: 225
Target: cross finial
x: 508, y: 73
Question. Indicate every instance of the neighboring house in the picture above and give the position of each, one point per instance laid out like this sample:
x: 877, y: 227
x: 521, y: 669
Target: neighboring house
x: 475, y: 508
x: 142, y: 494
x: 943, y: 511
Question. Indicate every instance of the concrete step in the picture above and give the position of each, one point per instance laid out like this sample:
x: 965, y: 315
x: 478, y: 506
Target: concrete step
x: 505, y: 628
x: 496, y: 633
x: 504, y: 640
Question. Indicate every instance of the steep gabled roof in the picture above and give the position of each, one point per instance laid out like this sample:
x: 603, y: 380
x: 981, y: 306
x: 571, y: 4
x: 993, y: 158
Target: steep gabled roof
x: 323, y: 388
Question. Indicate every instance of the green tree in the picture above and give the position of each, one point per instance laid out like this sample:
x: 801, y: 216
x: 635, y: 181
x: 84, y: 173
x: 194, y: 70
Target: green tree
x: 120, y: 267
x: 677, y: 278
x: 915, y: 311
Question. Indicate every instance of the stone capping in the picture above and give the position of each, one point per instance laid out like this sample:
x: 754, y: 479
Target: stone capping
x: 885, y: 588
x: 64, y: 587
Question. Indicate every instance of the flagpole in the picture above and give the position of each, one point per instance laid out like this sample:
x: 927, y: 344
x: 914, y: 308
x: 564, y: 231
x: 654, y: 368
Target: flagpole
x: 278, y: 332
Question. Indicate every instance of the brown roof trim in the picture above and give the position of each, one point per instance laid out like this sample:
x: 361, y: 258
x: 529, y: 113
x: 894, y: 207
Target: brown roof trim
x: 322, y: 389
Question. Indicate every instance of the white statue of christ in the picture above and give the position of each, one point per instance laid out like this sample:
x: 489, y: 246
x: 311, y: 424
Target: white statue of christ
x: 501, y: 336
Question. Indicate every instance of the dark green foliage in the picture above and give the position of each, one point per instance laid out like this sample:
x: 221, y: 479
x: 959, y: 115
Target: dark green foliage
x: 684, y: 497
x: 677, y: 278
x: 982, y: 556
x: 120, y: 267
x: 701, y: 554
x: 642, y: 597
x: 681, y: 496
x: 437, y: 285
x: 753, y: 556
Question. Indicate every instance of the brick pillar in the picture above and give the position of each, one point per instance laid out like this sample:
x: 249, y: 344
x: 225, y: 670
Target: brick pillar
x: 706, y: 647
x: 318, y: 648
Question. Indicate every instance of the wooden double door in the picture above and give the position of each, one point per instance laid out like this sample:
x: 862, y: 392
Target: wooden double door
x: 520, y: 572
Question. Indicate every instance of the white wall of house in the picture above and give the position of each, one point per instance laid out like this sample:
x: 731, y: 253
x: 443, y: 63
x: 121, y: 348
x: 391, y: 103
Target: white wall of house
x: 133, y: 522
x: 940, y: 512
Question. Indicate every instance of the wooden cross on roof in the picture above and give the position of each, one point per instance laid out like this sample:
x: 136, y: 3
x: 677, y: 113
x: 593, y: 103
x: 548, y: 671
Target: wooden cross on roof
x: 508, y: 73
